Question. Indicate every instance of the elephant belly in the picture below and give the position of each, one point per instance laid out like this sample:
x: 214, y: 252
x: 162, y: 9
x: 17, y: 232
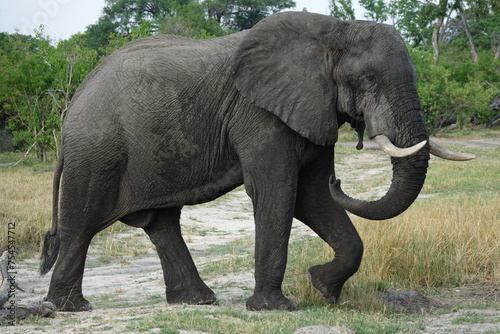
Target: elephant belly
x: 183, y: 182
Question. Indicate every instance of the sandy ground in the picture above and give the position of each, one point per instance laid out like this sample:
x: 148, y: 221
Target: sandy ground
x: 139, y: 278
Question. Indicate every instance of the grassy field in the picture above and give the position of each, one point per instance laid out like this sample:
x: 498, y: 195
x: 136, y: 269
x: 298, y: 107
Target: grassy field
x: 449, y: 237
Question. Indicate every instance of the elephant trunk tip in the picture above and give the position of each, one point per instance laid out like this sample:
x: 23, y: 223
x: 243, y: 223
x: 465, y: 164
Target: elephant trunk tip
x: 341, y: 198
x: 335, y: 189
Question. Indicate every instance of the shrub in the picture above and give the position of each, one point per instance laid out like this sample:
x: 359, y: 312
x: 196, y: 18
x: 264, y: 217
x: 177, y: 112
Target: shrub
x: 455, y: 87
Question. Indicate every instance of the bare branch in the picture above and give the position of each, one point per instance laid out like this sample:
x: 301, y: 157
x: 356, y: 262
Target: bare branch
x: 30, y: 148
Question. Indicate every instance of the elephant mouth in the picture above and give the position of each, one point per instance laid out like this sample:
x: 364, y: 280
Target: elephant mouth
x: 409, y: 170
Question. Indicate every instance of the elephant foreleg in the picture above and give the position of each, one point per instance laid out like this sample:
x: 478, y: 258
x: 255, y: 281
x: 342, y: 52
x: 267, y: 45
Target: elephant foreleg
x: 316, y: 209
x: 273, y: 206
x: 183, y: 283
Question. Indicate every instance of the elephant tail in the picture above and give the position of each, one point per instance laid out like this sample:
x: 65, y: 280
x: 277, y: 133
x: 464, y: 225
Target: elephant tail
x: 52, y: 240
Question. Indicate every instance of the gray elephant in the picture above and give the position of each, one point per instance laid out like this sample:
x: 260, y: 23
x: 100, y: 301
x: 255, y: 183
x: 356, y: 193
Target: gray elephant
x: 167, y: 121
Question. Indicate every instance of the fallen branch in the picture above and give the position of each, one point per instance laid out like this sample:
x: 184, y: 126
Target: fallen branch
x: 12, y: 312
x: 40, y: 309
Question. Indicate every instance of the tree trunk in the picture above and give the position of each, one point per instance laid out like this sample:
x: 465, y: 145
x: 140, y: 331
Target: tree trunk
x: 473, y: 48
x: 435, y: 38
x: 44, y: 154
x: 497, y: 54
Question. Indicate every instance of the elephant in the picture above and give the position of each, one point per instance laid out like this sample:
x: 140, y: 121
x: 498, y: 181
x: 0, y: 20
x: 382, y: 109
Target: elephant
x: 167, y: 121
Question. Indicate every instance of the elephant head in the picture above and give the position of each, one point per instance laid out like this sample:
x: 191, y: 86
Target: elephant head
x: 317, y: 72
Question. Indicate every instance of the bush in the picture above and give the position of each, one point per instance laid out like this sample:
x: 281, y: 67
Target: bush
x: 455, y: 87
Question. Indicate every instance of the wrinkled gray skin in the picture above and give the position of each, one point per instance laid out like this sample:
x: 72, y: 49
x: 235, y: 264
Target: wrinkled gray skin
x: 167, y: 121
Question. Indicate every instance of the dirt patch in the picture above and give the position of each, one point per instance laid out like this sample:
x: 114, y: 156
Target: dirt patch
x: 464, y: 321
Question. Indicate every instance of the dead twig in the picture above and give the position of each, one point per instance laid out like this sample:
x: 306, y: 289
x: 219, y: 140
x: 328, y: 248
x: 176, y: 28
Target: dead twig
x: 30, y: 148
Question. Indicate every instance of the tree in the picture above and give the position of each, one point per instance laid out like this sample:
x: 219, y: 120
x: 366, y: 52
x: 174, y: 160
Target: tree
x: 128, y: 14
x: 191, y: 21
x: 376, y: 10
x: 98, y: 34
x: 436, y: 22
x: 411, y: 20
x: 131, y: 19
x: 473, y: 48
x: 38, y: 82
x: 189, y: 18
x: 31, y: 119
x: 342, y: 9
x: 243, y: 14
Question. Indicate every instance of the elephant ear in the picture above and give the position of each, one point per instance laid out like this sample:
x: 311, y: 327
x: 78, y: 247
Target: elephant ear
x: 282, y: 66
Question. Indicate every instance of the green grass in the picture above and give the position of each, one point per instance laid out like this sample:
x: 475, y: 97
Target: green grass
x: 473, y: 132
x: 237, y: 320
x: 237, y: 256
x: 472, y: 317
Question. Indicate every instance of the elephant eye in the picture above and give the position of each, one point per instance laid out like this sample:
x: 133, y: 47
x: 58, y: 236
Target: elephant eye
x: 371, y: 79
x: 368, y: 82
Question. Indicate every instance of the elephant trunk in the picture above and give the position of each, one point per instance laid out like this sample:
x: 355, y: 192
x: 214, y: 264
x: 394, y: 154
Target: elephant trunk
x: 409, y: 148
x: 408, y: 178
x: 409, y: 167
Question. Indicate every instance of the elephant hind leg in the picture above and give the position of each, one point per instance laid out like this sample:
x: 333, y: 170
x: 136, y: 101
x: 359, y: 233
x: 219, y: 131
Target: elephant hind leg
x: 183, y: 283
x: 65, y: 289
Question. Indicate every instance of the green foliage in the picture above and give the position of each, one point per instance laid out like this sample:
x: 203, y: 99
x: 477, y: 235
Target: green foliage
x: 189, y: 18
x: 455, y: 87
x: 99, y: 34
x: 342, y: 9
x: 244, y: 14
x: 376, y: 10
x: 190, y: 21
x: 412, y: 20
x: 38, y: 80
x: 128, y: 14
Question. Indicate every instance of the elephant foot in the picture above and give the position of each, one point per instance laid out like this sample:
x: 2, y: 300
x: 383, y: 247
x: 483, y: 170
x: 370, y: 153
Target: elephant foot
x: 322, y: 281
x: 75, y: 304
x: 203, y: 296
x: 275, y: 301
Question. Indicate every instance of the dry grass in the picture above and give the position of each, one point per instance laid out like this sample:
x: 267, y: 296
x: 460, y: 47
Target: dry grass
x: 26, y: 200
x: 434, y: 244
x: 440, y: 242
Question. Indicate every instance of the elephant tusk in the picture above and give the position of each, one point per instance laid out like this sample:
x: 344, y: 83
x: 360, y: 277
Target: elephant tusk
x: 445, y: 153
x: 388, y: 147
